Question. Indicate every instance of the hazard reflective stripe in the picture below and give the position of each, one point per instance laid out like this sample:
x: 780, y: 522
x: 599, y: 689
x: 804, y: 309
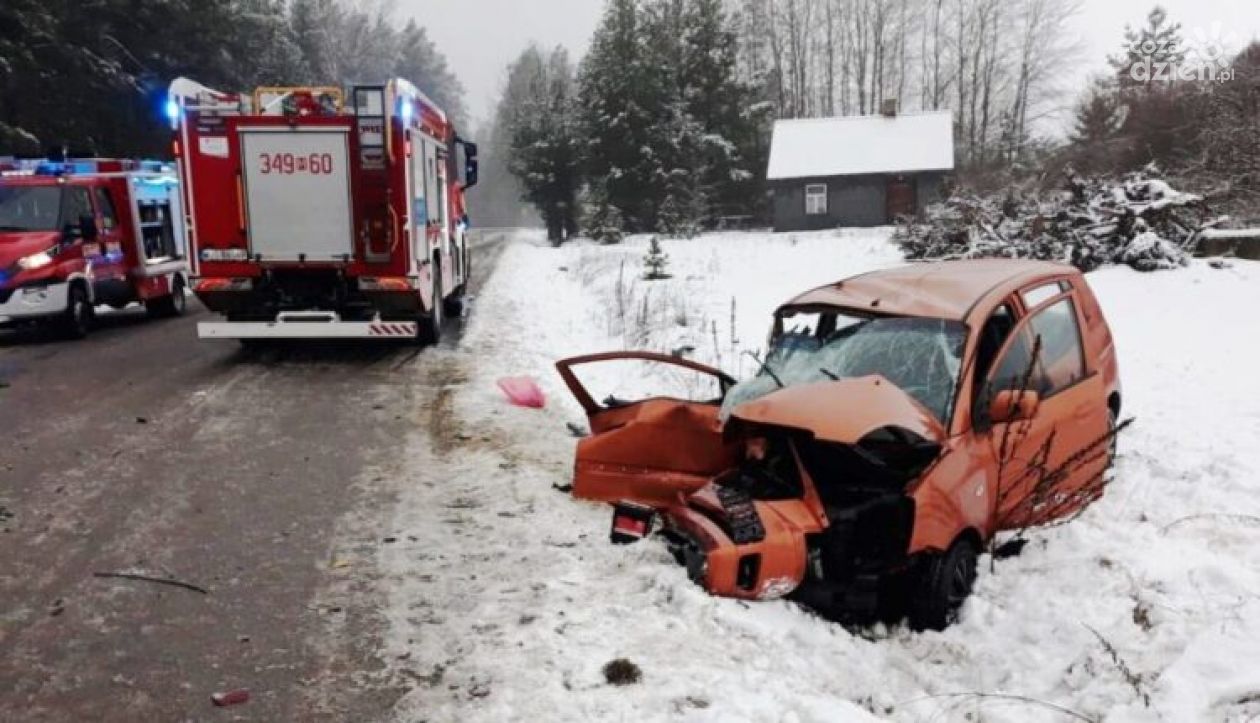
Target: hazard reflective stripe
x: 392, y: 329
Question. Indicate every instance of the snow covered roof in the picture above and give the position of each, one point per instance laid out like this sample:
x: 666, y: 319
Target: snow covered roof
x: 862, y: 144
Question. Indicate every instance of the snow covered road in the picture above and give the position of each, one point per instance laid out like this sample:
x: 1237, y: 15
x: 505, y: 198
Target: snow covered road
x: 506, y: 600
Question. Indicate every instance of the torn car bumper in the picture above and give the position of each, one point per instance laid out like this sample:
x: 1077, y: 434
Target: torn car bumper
x: 767, y: 568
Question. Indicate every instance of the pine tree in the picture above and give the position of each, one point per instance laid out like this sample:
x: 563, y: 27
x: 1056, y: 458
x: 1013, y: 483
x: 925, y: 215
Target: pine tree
x: 1146, y: 49
x: 602, y: 221
x: 22, y: 24
x: 420, y: 62
x: 315, y: 26
x: 655, y: 262
x: 666, y: 114
x: 1098, y: 115
x: 275, y: 55
x: 621, y: 102
x: 716, y: 99
x: 537, y: 112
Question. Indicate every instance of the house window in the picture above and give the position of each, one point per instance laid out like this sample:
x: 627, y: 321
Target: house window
x: 816, y: 199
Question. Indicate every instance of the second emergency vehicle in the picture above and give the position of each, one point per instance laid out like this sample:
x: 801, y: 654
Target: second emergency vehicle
x: 82, y: 233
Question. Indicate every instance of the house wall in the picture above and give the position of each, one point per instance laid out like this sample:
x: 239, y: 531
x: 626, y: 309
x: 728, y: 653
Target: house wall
x: 851, y: 200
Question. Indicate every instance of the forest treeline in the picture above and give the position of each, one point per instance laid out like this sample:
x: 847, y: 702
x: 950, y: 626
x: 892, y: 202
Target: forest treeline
x: 665, y: 124
x: 90, y: 76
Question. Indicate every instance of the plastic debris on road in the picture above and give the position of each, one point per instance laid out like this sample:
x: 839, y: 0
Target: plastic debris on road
x: 231, y: 697
x: 523, y: 392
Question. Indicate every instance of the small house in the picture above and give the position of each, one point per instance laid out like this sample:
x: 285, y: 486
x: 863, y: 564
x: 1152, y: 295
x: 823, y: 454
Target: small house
x: 858, y: 170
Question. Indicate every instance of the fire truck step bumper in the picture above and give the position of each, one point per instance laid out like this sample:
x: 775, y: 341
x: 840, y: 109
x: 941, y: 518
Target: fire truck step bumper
x: 33, y: 302
x: 308, y: 330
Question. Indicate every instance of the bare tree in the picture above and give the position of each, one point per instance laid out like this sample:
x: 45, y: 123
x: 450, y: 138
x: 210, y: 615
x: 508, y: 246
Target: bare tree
x: 992, y: 62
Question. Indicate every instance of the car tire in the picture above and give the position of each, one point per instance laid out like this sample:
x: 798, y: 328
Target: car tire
x: 76, y: 320
x: 944, y: 583
x: 431, y: 323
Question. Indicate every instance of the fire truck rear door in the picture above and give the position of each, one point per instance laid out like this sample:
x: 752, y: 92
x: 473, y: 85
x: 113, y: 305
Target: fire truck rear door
x: 297, y: 198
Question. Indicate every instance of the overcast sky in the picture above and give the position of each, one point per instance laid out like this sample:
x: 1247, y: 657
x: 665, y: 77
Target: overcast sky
x: 480, y: 37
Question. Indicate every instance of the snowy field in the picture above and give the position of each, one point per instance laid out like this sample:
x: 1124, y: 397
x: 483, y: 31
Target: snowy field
x: 507, y: 599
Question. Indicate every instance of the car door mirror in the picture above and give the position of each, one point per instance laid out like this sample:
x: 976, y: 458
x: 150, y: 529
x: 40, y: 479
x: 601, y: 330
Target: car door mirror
x: 1013, y: 405
x: 468, y: 167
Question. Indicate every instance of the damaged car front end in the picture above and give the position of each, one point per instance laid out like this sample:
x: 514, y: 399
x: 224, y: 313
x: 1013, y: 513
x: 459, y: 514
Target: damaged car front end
x: 801, y: 482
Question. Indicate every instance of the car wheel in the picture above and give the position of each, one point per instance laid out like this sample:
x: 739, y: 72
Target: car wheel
x: 76, y: 321
x: 431, y: 323
x: 944, y: 583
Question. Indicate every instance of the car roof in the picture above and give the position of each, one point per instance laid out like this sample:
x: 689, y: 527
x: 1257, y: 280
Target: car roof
x: 938, y: 289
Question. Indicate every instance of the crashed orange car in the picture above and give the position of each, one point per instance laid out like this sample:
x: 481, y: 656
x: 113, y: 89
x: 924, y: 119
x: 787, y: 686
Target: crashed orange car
x: 899, y: 421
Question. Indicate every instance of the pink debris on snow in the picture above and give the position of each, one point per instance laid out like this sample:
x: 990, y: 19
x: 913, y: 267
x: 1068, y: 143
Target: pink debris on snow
x: 523, y: 392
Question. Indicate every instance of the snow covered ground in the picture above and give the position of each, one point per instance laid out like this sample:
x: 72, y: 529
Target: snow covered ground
x: 507, y: 599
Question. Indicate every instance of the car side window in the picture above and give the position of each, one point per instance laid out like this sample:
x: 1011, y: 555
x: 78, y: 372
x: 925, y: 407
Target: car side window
x: 1017, y: 369
x: 76, y: 204
x: 992, y: 336
x: 1014, y: 369
x: 1062, y: 358
x: 109, y: 215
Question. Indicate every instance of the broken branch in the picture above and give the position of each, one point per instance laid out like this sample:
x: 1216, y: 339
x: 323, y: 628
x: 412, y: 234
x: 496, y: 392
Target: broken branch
x: 157, y: 580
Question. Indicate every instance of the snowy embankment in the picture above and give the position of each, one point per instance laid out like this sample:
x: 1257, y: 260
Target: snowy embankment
x: 508, y: 599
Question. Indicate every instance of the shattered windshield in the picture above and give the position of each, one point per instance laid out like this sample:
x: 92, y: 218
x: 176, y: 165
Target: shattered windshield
x: 29, y: 208
x: 921, y: 356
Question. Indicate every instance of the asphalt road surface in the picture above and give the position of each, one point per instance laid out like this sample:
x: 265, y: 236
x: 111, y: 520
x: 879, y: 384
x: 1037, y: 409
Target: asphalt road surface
x: 142, y: 450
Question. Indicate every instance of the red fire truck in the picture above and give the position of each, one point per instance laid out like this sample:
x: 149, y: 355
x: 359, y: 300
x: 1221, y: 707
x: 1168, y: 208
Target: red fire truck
x: 312, y: 218
x: 81, y: 233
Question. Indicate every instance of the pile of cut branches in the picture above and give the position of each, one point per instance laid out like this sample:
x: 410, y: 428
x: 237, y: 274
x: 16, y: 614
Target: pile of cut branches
x: 1139, y: 220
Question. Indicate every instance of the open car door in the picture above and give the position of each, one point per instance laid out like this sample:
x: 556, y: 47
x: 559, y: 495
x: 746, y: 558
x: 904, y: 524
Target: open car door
x: 649, y: 450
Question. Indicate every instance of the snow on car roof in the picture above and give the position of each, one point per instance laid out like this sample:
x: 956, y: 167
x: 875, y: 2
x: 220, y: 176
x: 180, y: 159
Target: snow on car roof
x: 806, y: 148
x: 942, y: 289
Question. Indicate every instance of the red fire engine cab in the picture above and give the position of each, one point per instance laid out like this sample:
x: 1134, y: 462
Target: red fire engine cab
x: 81, y: 233
x: 311, y: 218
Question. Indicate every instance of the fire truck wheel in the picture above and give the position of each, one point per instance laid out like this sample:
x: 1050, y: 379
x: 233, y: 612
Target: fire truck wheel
x: 174, y: 305
x: 453, y: 305
x: 431, y: 323
x: 76, y: 320
x: 455, y: 302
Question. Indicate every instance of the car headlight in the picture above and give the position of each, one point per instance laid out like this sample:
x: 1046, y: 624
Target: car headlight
x: 35, y: 261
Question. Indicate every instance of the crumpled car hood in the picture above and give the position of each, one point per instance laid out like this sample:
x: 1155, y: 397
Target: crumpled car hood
x: 843, y: 411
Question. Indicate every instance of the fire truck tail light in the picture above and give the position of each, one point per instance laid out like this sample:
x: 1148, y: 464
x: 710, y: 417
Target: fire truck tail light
x: 384, y: 283
x: 224, y: 255
x: 211, y: 285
